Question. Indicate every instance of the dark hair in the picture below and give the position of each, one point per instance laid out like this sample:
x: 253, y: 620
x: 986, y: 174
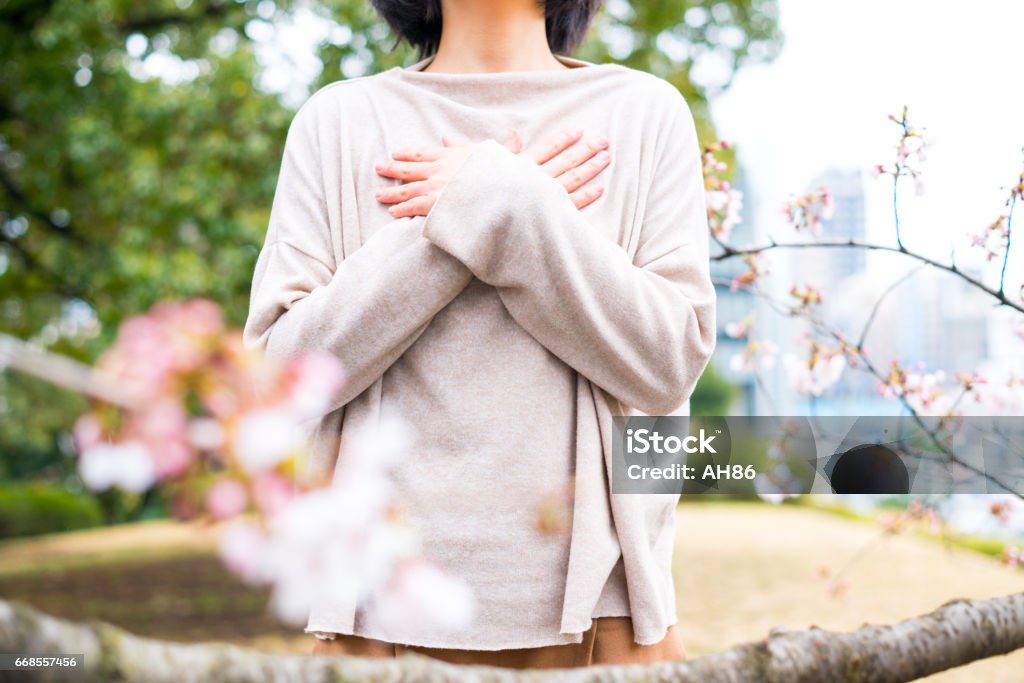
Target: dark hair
x: 418, y: 22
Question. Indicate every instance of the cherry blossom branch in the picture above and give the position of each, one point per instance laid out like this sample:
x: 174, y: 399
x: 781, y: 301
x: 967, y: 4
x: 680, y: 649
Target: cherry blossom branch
x: 63, y: 371
x: 732, y: 252
x: 806, y: 213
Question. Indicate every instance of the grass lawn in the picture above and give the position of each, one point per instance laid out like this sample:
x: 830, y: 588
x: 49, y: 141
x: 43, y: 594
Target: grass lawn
x: 741, y: 569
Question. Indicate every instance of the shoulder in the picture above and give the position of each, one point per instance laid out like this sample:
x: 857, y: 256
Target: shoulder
x: 336, y: 99
x: 650, y: 90
x: 655, y: 102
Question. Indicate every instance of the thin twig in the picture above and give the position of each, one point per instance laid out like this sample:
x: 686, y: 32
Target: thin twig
x: 878, y: 304
x: 1006, y: 254
x: 896, y: 213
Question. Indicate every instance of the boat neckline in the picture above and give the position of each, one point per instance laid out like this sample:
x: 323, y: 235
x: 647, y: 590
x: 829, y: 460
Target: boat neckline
x: 415, y: 71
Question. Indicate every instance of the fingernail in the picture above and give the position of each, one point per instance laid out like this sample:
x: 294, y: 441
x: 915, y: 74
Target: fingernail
x: 601, y: 142
x: 603, y: 155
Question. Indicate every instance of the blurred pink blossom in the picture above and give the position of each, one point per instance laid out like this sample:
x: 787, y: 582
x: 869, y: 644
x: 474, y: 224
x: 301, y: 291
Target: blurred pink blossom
x: 226, y: 498
x: 271, y: 492
x: 208, y: 407
x: 756, y: 269
x: 163, y: 427
x: 924, y: 392
x: 343, y: 542
x: 314, y: 379
x: 422, y: 593
x: 723, y: 202
x: 242, y: 546
x: 806, y: 296
x: 819, y: 371
x: 738, y: 329
x: 1012, y: 556
x: 756, y: 353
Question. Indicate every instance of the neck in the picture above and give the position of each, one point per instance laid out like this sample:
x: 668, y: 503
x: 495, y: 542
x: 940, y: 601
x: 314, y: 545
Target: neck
x: 482, y: 36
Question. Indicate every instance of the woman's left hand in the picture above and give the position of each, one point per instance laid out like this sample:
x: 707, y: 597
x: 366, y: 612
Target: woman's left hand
x: 426, y: 171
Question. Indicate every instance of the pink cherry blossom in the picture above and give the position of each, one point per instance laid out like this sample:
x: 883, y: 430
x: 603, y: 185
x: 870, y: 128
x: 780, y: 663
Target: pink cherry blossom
x: 163, y: 427
x: 807, y: 212
x: 226, y: 498
x: 806, y: 296
x: 911, y: 150
x: 738, y: 330
x: 271, y: 492
x: 723, y: 202
x: 821, y: 370
x: 314, y: 380
x: 86, y: 432
x: 756, y: 269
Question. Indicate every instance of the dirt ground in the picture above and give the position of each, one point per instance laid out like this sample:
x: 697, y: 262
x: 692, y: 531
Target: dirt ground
x: 741, y: 569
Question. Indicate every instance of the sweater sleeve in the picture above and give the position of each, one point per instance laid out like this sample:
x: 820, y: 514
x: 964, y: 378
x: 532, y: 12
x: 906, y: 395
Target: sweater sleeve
x: 642, y: 329
x: 366, y: 309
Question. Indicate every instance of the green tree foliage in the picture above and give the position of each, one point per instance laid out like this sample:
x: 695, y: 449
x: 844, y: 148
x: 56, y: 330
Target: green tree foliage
x: 713, y: 394
x: 118, y: 189
x: 42, y: 508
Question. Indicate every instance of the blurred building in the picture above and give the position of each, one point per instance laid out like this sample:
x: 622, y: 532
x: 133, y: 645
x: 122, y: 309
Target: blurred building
x: 735, y: 306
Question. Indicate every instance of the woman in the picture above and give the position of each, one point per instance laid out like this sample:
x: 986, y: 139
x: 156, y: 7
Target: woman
x: 506, y: 305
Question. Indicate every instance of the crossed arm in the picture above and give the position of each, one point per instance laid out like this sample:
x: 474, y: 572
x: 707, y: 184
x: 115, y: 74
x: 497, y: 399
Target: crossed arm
x: 641, y: 329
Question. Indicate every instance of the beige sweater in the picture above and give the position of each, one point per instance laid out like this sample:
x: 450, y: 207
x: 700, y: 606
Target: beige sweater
x: 507, y: 326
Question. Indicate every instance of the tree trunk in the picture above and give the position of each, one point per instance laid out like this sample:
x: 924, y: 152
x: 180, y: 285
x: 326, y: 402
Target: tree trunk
x: 957, y: 633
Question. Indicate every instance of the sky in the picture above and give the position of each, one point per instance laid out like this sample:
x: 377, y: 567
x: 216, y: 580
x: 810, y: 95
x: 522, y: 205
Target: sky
x: 844, y: 67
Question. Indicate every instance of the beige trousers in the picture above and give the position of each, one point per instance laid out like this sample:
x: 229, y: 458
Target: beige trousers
x: 609, y: 641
